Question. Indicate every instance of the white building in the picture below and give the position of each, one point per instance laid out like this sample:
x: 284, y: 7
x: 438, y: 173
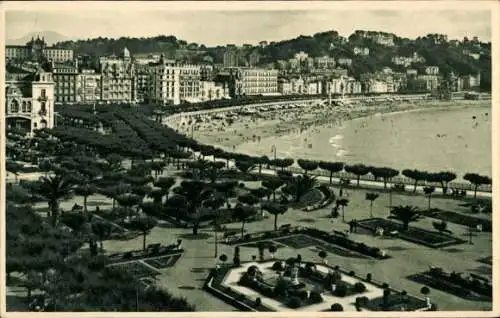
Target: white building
x: 90, y: 83
x: 211, y: 91
x: 173, y: 83
x: 29, y: 101
x: 344, y: 61
x: 432, y: 70
x: 363, y: 51
x: 118, y: 82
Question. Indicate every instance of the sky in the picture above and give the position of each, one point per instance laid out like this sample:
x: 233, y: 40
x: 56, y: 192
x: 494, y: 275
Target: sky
x: 247, y: 26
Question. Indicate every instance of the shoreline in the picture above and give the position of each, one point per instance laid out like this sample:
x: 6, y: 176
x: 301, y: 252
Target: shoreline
x: 229, y: 141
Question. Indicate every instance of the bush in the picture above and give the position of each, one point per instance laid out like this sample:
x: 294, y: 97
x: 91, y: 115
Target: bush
x: 277, y: 266
x: 247, y: 237
x: 294, y: 302
x: 369, y: 277
x: 315, y: 297
x: 385, y: 285
x: 351, y: 273
x: 337, y: 307
x: 359, y: 287
x: 362, y: 300
x: 340, y: 290
x: 258, y: 301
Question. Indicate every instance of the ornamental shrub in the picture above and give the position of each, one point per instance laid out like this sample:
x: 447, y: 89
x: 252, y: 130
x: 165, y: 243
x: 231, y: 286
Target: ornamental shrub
x: 359, y: 287
x: 315, y: 297
x: 294, y: 302
x: 340, y: 290
x: 277, y: 266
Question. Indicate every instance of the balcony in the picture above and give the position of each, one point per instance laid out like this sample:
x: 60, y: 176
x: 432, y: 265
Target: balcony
x: 42, y: 98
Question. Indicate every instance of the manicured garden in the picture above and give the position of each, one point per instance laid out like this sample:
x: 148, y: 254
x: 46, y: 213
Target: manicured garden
x: 469, y: 287
x: 298, y: 285
x: 136, y: 268
x: 412, y: 234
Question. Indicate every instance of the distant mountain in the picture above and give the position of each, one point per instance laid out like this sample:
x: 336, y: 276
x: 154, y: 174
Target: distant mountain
x: 50, y: 37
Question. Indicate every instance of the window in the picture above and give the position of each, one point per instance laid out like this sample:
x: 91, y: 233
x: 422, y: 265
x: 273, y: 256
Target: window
x: 44, y: 92
x: 14, y: 106
x: 29, y: 107
x: 24, y: 107
x: 43, y: 108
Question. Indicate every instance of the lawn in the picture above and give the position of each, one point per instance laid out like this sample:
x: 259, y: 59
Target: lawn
x: 137, y: 268
x: 413, y: 234
x: 394, y: 303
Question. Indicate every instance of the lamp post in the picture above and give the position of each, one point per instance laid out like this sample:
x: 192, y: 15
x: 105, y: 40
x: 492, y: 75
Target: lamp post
x: 273, y: 149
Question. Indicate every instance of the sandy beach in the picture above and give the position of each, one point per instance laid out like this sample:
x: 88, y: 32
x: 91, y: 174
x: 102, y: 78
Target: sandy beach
x: 247, y: 129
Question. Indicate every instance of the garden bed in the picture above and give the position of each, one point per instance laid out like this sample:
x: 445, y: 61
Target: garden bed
x: 308, y: 237
x: 486, y: 260
x: 213, y: 285
x: 136, y: 268
x: 413, y: 234
x: 148, y: 253
x: 163, y: 262
x: 454, y: 283
x: 458, y: 218
x: 395, y: 302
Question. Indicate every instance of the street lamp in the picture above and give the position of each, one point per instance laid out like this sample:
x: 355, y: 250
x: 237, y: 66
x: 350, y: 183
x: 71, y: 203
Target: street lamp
x: 273, y: 149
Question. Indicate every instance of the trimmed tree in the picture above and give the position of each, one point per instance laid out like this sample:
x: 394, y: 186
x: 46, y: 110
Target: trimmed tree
x: 477, y: 180
x: 275, y: 209
x: 358, y: 170
x: 332, y: 167
x: 143, y: 224
x: 371, y: 196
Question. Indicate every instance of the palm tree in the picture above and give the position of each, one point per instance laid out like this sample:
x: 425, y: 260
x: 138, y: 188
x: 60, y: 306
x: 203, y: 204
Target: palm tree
x: 405, y: 214
x: 53, y: 189
x: 428, y: 191
x: 371, y: 196
x: 102, y: 230
x: 300, y: 185
x: 342, y: 203
x: 275, y: 209
x: 144, y: 224
x: 273, y: 185
x: 477, y: 180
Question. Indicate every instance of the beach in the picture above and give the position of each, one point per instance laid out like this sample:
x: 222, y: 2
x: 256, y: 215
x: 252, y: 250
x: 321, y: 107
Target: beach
x: 251, y: 128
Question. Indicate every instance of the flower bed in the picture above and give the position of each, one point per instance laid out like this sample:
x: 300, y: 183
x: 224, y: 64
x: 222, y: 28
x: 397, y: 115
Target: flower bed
x: 163, y: 262
x: 454, y: 283
x: 148, y: 253
x: 413, y: 234
x: 394, y: 302
x: 328, y: 198
x: 136, y: 268
x: 312, y: 237
x: 213, y: 285
x: 458, y: 218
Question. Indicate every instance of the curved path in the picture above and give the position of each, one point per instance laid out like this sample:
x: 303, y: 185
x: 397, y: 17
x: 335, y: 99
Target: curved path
x: 485, y: 192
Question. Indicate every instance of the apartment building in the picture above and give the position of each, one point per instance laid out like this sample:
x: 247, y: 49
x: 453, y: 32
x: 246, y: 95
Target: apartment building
x: 29, y: 100
x: 118, y: 78
x: 67, y: 83
x: 90, y: 86
x: 253, y: 81
x: 173, y: 83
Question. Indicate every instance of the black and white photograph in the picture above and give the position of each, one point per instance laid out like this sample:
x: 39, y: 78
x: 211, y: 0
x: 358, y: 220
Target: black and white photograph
x: 295, y: 157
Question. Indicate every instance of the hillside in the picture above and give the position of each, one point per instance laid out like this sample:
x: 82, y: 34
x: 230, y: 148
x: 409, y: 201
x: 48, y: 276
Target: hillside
x: 448, y: 55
